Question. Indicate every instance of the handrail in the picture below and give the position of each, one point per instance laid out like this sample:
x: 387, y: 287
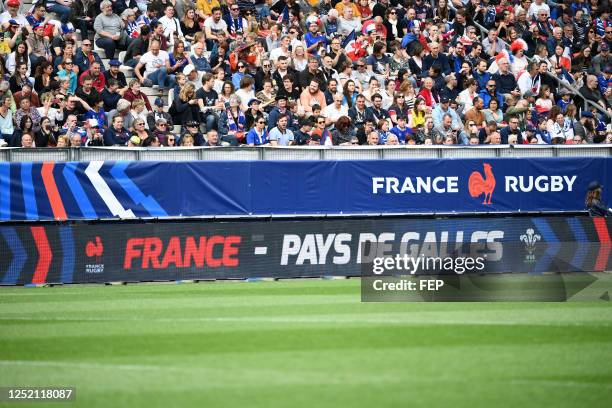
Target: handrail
x: 561, y: 83
x: 311, y: 153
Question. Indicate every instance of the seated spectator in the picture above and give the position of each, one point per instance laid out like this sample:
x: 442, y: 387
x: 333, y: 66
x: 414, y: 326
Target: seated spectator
x: 110, y: 95
x: 158, y: 113
x: 137, y: 113
x: 157, y: 66
x: 45, y: 136
x: 116, y: 134
x: 109, y: 28
x: 192, y: 128
x: 332, y: 113
x: 212, y: 138
x: 20, y: 78
x: 343, y: 132
x: 26, y: 109
x: 476, y: 114
x: 163, y: 133
x: 185, y: 106
x: 134, y: 92
x: 281, y: 135
x: 140, y: 129
x: 258, y: 134
x: 511, y: 129
x: 27, y: 92
x: 401, y: 130
x: 232, y: 123
x: 114, y: 73
x: 494, y: 113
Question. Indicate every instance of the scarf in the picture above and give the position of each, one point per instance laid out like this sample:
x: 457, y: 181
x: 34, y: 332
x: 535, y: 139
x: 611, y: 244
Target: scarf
x: 235, y: 28
x: 231, y: 122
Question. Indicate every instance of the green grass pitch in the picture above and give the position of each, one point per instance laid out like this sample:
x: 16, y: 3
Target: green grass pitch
x: 301, y: 343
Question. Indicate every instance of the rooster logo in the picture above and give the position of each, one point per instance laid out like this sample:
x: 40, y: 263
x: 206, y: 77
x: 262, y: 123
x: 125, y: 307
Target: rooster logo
x: 478, y: 185
x: 94, y: 249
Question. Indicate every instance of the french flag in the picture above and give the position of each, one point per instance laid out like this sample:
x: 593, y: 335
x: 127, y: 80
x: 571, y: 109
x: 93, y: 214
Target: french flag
x: 284, y: 16
x: 354, y: 49
x: 349, y: 38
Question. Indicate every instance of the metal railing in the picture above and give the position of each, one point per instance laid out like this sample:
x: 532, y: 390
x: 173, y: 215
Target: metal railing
x: 85, y: 154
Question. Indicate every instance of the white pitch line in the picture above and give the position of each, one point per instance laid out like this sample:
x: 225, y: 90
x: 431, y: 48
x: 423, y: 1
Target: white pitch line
x: 337, y: 319
x: 148, y: 368
x: 95, y: 366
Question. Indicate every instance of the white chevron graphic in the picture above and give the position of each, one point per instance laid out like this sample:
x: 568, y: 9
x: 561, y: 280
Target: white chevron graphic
x: 105, y: 192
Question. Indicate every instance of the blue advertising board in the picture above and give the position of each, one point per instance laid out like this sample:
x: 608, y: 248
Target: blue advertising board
x: 123, y: 190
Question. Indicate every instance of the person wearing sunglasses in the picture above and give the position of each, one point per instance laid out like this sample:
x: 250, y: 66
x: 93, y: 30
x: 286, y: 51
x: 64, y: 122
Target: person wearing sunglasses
x: 192, y: 130
x: 258, y: 134
x: 84, y: 55
x: 253, y: 113
x: 236, y: 24
x: 162, y: 131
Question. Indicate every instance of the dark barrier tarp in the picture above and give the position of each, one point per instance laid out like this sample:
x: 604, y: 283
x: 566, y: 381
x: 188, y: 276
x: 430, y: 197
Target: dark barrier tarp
x: 122, y: 251
x: 94, y: 190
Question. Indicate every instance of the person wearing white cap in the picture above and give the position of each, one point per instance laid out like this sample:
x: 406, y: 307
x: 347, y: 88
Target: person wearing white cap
x: 193, y: 76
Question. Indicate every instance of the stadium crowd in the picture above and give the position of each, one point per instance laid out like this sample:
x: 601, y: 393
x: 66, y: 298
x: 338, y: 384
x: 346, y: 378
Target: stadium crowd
x: 305, y: 72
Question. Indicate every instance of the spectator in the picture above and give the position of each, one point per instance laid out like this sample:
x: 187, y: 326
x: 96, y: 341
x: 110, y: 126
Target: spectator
x: 343, y: 131
x: 109, y: 30
x: 85, y: 56
x: 401, y: 130
x: 511, y: 129
x: 95, y: 73
x: 232, y: 123
x: 312, y: 95
x: 185, y: 107
x: 281, y: 135
x: 443, y: 108
x: 18, y: 57
x: 192, y: 130
x: 114, y: 73
x: 157, y: 67
x: 45, y: 136
x: 60, y: 7
x: 172, y: 26
x: 376, y: 111
x: 163, y: 133
x: 213, y: 25
x: 158, y: 113
x: 258, y: 135
x: 116, y: 134
x: 212, y: 138
x: 476, y: 114
x: 134, y: 92
x: 140, y: 129
x: 494, y: 112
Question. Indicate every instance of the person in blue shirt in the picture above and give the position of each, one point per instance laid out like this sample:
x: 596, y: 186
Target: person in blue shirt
x: 314, y: 39
x: 239, y: 74
x: 198, y: 58
x: 68, y: 73
x: 281, y: 135
x: 490, y: 92
x: 258, y: 135
x: 400, y: 130
x: 116, y: 134
x: 481, y: 75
